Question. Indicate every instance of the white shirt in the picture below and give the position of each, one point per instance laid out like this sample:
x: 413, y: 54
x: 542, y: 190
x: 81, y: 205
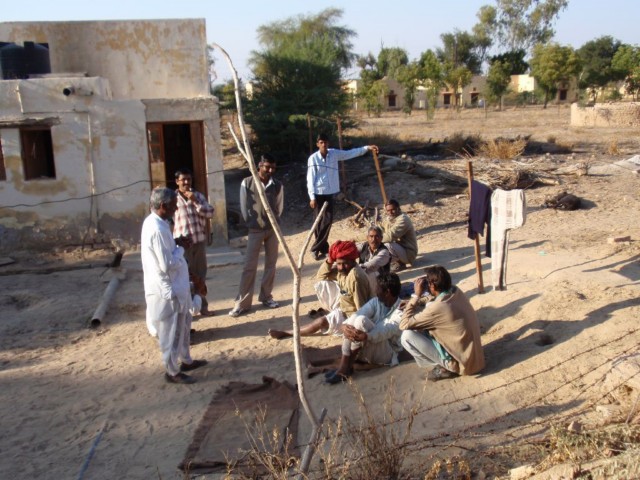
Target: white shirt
x: 322, y: 173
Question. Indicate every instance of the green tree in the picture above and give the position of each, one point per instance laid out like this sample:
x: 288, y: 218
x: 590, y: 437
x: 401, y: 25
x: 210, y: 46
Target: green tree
x: 515, y: 59
x: 298, y: 72
x: 483, y: 31
x: 431, y: 76
x: 597, y: 70
x: 552, y: 64
x: 390, y: 60
x: 460, y: 49
x: 409, y: 77
x: 498, y: 79
x: 521, y: 24
x: 226, y: 94
x: 626, y: 63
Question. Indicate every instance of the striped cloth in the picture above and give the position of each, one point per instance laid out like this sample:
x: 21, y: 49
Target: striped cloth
x: 508, y: 211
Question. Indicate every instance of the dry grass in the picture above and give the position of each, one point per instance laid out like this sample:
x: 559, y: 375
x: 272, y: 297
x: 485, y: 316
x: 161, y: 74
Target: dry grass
x: 612, y: 148
x: 502, y: 149
x: 463, y: 145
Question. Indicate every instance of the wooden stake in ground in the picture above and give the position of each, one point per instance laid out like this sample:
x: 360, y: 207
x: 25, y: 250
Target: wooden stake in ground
x: 476, y: 245
x: 295, y: 268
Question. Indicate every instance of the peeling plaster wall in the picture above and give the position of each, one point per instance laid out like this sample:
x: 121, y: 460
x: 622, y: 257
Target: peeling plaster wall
x: 141, y: 58
x: 139, y: 72
x: 99, y: 148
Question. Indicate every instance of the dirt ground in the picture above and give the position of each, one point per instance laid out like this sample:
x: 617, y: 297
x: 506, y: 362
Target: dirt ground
x: 571, y: 307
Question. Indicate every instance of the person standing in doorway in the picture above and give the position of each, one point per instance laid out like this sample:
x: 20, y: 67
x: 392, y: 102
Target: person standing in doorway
x: 260, y: 233
x: 190, y: 221
x: 323, y: 182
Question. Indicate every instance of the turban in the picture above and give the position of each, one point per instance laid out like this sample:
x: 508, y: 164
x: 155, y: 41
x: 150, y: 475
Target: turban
x: 346, y: 250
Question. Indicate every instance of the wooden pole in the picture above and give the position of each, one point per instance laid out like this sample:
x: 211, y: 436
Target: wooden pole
x: 380, y: 181
x: 343, y: 172
x: 310, y: 134
x: 476, y: 245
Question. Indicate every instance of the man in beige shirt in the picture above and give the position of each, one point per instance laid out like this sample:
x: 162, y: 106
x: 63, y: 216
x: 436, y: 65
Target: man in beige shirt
x: 399, y: 236
x: 445, y: 334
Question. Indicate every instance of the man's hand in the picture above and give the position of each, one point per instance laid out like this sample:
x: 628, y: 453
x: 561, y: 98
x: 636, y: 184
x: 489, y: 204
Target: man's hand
x: 419, y: 286
x: 312, y: 204
x: 190, y: 195
x: 184, y: 241
x: 351, y: 333
x: 373, y: 148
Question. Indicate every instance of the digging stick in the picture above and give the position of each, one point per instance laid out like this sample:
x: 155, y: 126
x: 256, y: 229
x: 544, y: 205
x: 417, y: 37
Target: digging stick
x: 384, y: 194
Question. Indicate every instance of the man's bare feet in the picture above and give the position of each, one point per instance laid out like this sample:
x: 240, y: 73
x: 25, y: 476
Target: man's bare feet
x: 279, y: 334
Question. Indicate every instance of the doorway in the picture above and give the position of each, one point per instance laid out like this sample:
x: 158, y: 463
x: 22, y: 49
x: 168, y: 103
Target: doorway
x: 176, y: 145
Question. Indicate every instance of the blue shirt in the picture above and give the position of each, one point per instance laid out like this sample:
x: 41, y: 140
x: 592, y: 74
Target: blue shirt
x: 322, y: 173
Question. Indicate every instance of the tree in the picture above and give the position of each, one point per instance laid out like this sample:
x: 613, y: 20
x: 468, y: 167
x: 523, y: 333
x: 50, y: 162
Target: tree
x: 390, y: 62
x: 298, y: 72
x: 431, y: 77
x: 483, y: 31
x: 552, y: 64
x: 597, y: 70
x: 520, y: 24
x: 226, y: 94
x: 626, y: 63
x: 460, y: 49
x: 498, y: 79
x: 409, y: 77
x: 515, y: 60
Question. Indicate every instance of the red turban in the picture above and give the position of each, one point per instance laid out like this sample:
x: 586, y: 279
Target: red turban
x: 346, y: 250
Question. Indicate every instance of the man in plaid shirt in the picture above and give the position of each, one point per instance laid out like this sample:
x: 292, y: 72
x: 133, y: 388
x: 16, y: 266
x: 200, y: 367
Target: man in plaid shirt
x: 190, y: 220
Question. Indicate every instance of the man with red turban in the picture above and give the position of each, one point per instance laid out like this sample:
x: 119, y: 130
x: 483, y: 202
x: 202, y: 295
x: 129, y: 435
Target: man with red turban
x: 343, y: 288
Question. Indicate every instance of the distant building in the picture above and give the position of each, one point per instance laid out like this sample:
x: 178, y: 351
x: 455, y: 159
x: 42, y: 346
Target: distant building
x: 95, y: 114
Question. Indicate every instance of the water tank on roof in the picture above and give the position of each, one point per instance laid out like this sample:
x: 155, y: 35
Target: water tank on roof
x: 18, y: 62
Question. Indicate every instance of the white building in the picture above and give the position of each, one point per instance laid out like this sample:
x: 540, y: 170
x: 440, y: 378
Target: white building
x: 125, y: 104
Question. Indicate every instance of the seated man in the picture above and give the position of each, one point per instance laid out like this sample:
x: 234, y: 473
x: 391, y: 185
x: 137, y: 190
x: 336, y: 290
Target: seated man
x: 374, y: 256
x: 372, y: 334
x: 343, y: 289
x: 399, y: 236
x: 445, y: 335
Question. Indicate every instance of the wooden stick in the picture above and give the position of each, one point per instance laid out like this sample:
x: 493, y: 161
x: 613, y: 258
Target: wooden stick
x: 476, y: 245
x: 343, y: 172
x: 384, y: 194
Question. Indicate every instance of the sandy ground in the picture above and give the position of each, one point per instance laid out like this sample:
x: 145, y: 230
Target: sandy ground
x: 571, y: 306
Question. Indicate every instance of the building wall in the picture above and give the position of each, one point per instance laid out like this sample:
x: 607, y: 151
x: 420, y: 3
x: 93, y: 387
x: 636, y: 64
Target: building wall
x: 606, y: 115
x: 141, y: 58
x: 102, y: 183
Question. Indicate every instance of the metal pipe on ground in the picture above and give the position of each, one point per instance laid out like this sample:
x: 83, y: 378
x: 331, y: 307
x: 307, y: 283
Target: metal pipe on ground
x: 109, y: 293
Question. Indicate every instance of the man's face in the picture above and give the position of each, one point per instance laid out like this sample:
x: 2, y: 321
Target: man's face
x: 323, y: 147
x: 344, y: 266
x: 266, y: 170
x: 374, y: 239
x: 392, y: 211
x: 167, y: 210
x: 184, y: 182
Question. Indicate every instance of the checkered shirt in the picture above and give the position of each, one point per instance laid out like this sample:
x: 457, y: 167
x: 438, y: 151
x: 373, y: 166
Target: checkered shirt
x: 190, y: 218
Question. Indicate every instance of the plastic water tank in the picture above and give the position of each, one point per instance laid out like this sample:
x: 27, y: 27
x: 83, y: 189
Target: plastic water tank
x: 19, y: 62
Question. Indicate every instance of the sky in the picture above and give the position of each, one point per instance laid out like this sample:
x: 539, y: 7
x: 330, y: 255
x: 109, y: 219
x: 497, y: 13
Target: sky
x: 415, y: 25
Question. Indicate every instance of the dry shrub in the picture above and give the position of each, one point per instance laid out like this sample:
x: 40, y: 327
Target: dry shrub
x: 551, y: 139
x: 451, y: 468
x: 502, y: 149
x: 271, y: 453
x: 371, y: 446
x: 613, y: 149
x: 461, y: 144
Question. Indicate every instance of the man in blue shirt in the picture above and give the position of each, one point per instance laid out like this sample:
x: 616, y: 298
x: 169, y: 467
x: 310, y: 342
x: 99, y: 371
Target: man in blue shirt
x: 323, y: 182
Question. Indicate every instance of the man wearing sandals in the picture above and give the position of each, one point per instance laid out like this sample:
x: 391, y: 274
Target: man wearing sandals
x: 445, y: 335
x: 372, y: 334
x: 166, y: 288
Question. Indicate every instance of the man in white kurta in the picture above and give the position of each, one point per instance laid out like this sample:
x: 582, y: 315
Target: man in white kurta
x: 166, y: 288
